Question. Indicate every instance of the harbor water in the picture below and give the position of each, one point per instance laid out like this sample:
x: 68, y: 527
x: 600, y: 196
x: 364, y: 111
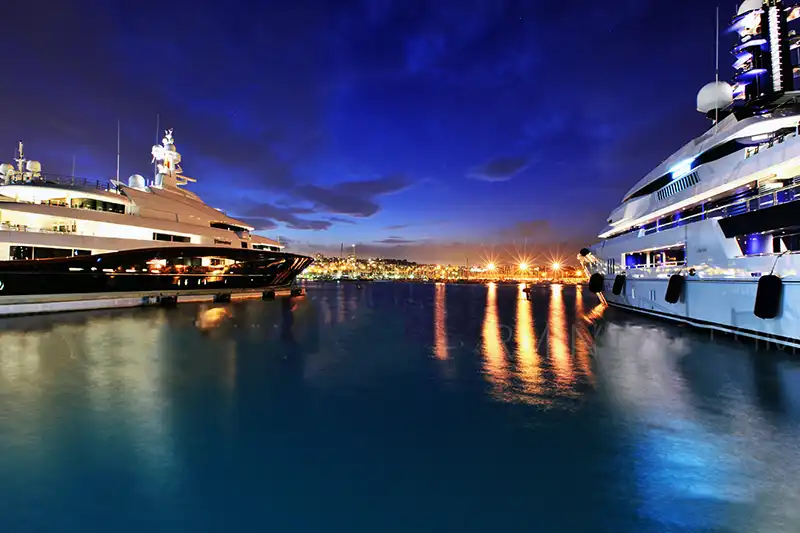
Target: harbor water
x: 393, y: 407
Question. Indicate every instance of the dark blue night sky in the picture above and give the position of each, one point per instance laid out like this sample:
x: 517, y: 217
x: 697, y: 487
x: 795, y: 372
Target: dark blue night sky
x: 432, y: 130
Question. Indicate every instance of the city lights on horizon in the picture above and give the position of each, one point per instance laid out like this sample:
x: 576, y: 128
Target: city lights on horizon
x: 524, y: 270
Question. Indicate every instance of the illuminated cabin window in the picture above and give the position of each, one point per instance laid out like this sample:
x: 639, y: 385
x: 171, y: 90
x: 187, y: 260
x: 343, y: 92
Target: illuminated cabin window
x: 674, y: 256
x: 222, y: 241
x: 24, y: 253
x: 266, y: 247
x: 168, y: 237
x: 227, y: 227
x: 97, y: 205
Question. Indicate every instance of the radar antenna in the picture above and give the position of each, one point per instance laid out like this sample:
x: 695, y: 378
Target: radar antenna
x: 20, y: 159
x: 167, y: 159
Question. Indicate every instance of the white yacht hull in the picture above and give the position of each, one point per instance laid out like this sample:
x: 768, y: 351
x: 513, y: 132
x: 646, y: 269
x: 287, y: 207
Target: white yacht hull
x: 720, y: 284
x: 718, y: 305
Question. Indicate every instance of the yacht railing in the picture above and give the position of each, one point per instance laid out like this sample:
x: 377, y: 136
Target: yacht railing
x: 55, y: 229
x: 668, y: 264
x: 739, y: 206
x: 58, y: 180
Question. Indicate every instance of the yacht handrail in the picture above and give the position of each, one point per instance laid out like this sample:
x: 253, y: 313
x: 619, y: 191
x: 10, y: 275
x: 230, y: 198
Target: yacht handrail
x: 667, y: 264
x: 713, y: 212
x: 60, y: 180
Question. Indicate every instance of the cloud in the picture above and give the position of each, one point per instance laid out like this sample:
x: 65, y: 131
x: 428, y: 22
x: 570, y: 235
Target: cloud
x: 354, y: 198
x: 397, y: 226
x: 341, y: 220
x: 260, y: 224
x: 531, y: 229
x: 268, y: 213
x: 499, y: 169
x: 396, y: 240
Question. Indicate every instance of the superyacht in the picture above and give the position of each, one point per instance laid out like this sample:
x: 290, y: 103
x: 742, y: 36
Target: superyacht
x: 70, y: 243
x: 711, y: 237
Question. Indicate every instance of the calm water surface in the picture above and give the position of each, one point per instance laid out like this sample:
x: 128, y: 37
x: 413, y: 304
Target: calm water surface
x: 393, y: 408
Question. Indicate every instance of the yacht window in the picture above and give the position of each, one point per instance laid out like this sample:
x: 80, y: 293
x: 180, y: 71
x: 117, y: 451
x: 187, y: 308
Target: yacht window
x: 675, y: 256
x: 244, y: 244
x: 97, y: 205
x: 635, y: 260
x: 227, y: 227
x: 81, y: 252
x: 42, y: 252
x: 222, y: 241
x: 266, y: 247
x: 168, y: 237
x: 20, y: 253
x: 791, y: 243
x: 755, y: 244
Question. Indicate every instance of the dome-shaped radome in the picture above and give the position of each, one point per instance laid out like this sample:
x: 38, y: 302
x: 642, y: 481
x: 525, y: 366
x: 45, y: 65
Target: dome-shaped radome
x: 715, y: 95
x: 750, y: 5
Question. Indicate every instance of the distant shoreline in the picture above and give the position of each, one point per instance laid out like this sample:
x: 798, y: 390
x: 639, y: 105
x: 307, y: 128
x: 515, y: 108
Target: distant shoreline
x: 449, y: 282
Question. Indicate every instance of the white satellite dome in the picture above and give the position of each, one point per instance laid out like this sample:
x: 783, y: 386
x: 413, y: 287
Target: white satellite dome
x: 715, y: 95
x: 750, y: 5
x: 136, y: 182
x: 6, y: 169
x: 33, y: 166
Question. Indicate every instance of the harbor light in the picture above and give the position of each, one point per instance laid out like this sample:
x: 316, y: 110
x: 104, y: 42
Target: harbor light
x: 491, y: 266
x: 556, y: 266
x: 523, y: 267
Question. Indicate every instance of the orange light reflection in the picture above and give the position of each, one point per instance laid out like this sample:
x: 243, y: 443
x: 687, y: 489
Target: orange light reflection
x: 440, y: 322
x: 557, y: 336
x: 494, y: 350
x: 527, y: 356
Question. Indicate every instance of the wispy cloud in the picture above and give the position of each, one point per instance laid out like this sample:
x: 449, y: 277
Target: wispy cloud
x: 499, y: 169
x: 354, y: 198
x: 267, y: 216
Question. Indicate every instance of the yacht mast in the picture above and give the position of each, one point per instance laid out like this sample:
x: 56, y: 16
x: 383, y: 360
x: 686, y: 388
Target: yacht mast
x: 158, y: 129
x: 118, y: 150
x: 716, y: 56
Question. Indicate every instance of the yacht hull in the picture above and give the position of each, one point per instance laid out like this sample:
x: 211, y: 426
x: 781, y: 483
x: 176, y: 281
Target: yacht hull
x: 716, y: 305
x: 720, y: 283
x: 145, y: 276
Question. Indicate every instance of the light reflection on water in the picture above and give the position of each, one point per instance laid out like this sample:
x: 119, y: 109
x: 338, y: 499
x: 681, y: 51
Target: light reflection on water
x: 494, y: 347
x: 366, y: 400
x: 527, y: 349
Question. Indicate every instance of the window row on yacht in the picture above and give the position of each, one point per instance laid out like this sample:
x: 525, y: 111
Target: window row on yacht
x: 168, y: 237
x: 25, y: 253
x: 673, y: 256
x: 23, y: 221
x: 48, y: 179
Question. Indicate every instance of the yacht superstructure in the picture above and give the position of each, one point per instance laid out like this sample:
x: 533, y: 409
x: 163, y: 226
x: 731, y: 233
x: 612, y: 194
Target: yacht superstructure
x: 71, y: 243
x: 711, y: 236
x: 45, y: 215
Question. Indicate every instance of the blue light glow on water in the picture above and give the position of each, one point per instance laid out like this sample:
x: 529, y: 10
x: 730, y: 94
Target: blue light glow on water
x: 393, y: 408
